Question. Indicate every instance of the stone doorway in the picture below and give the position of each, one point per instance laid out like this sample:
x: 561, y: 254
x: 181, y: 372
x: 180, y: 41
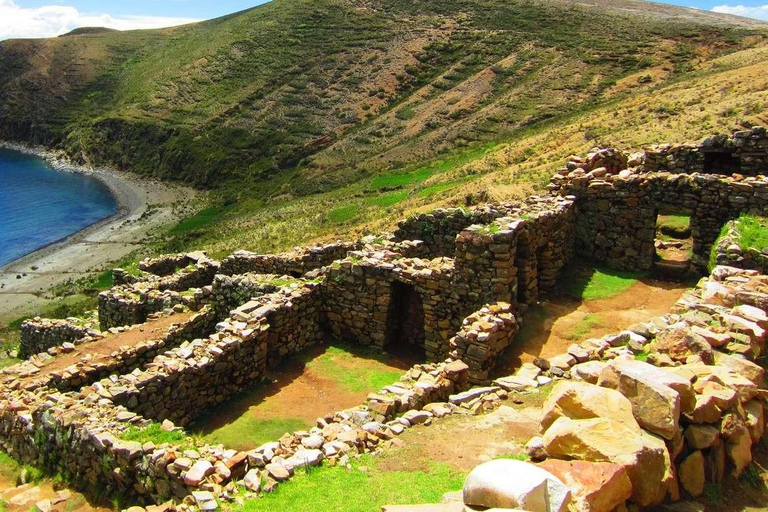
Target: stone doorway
x: 405, y: 320
x: 721, y: 162
x: 673, y: 244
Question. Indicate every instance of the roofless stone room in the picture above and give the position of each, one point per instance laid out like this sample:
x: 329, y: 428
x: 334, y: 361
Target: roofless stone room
x: 344, y: 255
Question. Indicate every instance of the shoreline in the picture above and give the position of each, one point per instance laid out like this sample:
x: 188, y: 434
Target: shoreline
x: 91, y: 249
x: 106, y: 177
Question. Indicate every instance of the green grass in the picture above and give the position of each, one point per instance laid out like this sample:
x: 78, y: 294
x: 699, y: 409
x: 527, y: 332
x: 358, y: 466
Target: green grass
x: 103, y: 281
x: 9, y: 468
x: 751, y: 477
x: 342, y: 214
x: 197, y: 221
x: 153, y: 433
x: 400, y: 180
x: 754, y: 232
x: 674, y: 225
x: 386, y: 200
x: 521, y: 456
x: 434, y: 189
x: 713, y: 494
x: 364, y: 488
x: 599, y: 283
x: 340, y: 364
x: 247, y: 432
x: 583, y: 327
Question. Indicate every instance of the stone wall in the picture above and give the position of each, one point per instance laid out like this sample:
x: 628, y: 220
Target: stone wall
x: 195, y: 275
x: 438, y: 228
x: 295, y: 263
x: 744, y: 152
x: 180, y: 384
x: 358, y: 291
x: 38, y: 335
x: 89, y: 367
x: 228, y: 292
x: 483, y: 336
x: 616, y: 223
x: 515, y: 257
x: 131, y: 304
x: 728, y: 251
x: 168, y: 264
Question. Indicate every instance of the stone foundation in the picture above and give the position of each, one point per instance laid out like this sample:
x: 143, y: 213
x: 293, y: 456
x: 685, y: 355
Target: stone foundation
x: 38, y: 335
x: 295, y: 263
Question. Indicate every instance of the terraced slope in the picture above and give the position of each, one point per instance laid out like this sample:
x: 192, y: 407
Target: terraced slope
x: 316, y: 94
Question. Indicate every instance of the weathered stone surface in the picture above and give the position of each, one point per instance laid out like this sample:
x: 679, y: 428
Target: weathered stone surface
x: 700, y: 437
x: 198, y: 472
x: 252, y: 480
x: 755, y: 416
x: 691, y: 473
x: 739, y: 451
x: 667, y: 377
x: 579, y: 400
x: 507, y: 483
x: 604, y: 440
x: 655, y: 406
x: 589, y: 371
x: 596, y: 486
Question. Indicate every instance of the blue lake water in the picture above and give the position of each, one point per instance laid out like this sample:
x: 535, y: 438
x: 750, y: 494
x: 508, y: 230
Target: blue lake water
x: 39, y: 205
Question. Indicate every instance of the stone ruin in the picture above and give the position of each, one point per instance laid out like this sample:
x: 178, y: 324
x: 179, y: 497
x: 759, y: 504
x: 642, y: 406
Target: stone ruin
x: 454, y: 285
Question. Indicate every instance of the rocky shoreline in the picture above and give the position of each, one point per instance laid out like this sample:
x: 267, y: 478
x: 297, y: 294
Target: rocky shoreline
x: 89, y: 249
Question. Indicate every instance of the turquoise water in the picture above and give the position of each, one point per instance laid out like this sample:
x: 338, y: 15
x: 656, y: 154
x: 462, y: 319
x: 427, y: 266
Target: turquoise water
x: 39, y: 205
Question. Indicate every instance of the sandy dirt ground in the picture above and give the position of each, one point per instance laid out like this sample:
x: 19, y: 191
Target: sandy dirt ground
x: 102, y: 349
x: 298, y: 390
x: 502, y: 432
x: 552, y: 326
x: 145, y: 207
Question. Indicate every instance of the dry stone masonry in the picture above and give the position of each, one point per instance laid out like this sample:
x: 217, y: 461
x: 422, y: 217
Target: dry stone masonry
x: 38, y: 335
x: 652, y: 412
x: 728, y: 250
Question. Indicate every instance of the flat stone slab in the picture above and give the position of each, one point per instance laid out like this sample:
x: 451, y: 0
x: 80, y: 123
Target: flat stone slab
x: 467, y: 396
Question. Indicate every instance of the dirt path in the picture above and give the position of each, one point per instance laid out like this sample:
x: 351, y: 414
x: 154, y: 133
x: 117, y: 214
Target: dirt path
x: 550, y: 327
x: 500, y: 433
x: 101, y: 349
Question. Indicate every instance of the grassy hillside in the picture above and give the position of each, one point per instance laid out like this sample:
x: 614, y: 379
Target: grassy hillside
x: 331, y: 91
x: 311, y: 118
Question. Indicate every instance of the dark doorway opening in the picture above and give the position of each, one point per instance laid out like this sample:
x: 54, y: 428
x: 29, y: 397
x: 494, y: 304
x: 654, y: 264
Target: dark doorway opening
x: 405, y: 320
x: 721, y: 162
x: 295, y: 273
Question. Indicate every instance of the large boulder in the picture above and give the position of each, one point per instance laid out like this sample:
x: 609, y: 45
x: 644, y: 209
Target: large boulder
x: 596, y: 486
x: 669, y: 377
x: 655, y: 406
x: 581, y: 400
x: 679, y: 343
x: 604, y: 440
x: 657, y: 395
x: 742, y: 367
x: 508, y: 483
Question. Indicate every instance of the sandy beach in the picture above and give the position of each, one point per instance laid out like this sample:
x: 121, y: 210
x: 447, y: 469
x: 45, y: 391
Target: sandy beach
x: 145, y: 207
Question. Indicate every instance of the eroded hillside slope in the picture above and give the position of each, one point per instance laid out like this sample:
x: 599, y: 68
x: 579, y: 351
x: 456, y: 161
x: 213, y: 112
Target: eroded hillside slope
x: 337, y: 90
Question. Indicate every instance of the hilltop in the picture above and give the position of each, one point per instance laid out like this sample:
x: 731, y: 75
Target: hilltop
x: 339, y: 89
